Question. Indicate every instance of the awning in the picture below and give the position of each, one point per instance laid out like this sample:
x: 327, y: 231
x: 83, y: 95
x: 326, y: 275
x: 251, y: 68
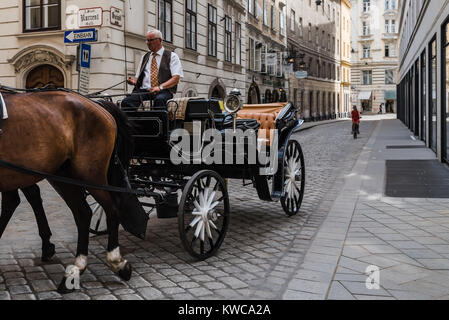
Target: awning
x: 390, y: 94
x: 365, y: 95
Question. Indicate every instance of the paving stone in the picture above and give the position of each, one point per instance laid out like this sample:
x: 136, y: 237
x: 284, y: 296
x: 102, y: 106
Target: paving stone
x: 198, y: 292
x: 4, y: 295
x: 50, y: 295
x: 359, y: 288
x: 338, y: 292
x: 76, y: 296
x: 298, y: 295
x: 233, y: 282
x: 104, y: 297
x: 54, y: 268
x: 130, y: 297
x: 15, y: 281
x: 23, y: 297
x: 43, y: 285
x: 150, y: 293
x: 19, y: 289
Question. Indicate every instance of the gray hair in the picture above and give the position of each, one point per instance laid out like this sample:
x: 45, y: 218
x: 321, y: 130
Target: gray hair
x: 156, y: 32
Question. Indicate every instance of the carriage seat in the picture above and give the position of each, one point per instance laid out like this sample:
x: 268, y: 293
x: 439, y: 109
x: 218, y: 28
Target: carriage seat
x: 265, y: 114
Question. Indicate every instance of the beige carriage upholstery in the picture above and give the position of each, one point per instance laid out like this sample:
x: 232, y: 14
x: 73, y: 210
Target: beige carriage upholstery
x: 176, y: 107
x: 265, y: 114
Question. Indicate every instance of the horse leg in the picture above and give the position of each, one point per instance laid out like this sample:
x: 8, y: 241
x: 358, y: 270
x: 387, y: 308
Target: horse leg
x: 33, y: 195
x: 114, y: 258
x: 10, y: 202
x: 74, y: 197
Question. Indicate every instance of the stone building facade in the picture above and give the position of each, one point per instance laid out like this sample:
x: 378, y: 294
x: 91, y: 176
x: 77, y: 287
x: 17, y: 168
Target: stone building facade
x: 207, y: 36
x: 266, y: 50
x: 315, y: 41
x: 374, y: 54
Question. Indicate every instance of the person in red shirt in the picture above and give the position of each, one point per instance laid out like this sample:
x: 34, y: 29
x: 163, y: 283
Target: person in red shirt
x: 355, y: 120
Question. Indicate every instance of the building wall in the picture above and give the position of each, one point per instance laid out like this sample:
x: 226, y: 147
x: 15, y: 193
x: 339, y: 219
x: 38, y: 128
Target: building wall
x: 316, y: 41
x: 345, y: 58
x: 377, y: 62
x: 266, y: 34
x: 423, y: 90
x: 117, y: 44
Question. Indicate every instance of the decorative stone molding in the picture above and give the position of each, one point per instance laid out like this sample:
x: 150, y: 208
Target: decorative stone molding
x: 40, y: 55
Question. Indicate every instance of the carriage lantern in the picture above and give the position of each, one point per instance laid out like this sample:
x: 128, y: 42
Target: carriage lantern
x: 232, y: 104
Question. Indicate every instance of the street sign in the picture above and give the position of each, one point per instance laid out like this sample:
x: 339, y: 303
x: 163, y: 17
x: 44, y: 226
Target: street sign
x: 81, y: 35
x: 116, y: 17
x: 83, y: 80
x: 90, y: 17
x: 301, y: 74
x: 85, y: 55
x: 84, y: 70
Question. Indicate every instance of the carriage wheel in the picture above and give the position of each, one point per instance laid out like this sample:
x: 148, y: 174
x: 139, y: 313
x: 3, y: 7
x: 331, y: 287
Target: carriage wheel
x: 294, y: 179
x: 98, y: 223
x: 203, y: 215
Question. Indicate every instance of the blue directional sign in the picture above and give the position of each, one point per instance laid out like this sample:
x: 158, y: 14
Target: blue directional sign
x: 85, y: 55
x: 81, y: 35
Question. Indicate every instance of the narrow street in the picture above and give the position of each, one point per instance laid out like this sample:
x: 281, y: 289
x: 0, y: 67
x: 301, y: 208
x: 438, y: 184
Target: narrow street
x: 261, y: 253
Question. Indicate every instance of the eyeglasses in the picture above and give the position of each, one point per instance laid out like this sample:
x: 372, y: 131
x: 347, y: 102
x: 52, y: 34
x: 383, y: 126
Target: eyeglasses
x: 151, y: 40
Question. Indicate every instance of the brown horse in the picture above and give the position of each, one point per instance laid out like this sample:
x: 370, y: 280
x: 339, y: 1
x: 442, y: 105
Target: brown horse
x: 66, y: 134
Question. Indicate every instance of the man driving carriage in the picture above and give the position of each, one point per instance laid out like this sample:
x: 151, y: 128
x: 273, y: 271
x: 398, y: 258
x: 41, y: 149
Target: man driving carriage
x: 157, y: 76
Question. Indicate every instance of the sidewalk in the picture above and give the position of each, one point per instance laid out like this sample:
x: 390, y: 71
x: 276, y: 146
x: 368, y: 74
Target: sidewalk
x: 407, y: 239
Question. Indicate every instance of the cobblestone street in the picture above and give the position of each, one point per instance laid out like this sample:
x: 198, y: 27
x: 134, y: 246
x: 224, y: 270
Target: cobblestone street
x: 261, y: 254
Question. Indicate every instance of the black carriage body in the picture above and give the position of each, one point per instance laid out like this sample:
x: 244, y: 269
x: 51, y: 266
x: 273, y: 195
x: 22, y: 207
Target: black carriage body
x: 152, y: 145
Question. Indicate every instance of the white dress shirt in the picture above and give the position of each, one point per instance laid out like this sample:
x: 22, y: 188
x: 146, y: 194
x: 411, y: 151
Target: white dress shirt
x: 175, y: 67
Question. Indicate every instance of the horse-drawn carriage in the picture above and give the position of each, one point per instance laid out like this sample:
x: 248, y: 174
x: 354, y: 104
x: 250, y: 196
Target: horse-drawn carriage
x: 185, y: 153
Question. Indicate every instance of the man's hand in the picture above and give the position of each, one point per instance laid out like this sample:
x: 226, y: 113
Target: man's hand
x: 155, y: 90
x: 132, y: 81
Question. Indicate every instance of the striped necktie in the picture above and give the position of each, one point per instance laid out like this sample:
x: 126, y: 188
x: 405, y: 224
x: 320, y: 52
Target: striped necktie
x: 154, y: 72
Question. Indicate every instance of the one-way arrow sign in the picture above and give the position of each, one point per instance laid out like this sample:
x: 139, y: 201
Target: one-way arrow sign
x: 82, y: 35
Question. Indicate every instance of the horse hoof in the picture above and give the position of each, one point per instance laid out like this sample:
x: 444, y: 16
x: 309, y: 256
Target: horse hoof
x: 62, y: 288
x: 48, y: 251
x: 125, y: 273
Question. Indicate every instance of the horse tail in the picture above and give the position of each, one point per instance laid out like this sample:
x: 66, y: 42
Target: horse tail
x: 124, y: 146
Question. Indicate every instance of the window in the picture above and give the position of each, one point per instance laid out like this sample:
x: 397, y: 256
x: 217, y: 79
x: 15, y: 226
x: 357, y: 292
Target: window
x: 238, y: 43
x: 265, y: 13
x: 41, y: 15
x: 292, y: 21
x: 389, y: 50
x: 366, y: 5
x: 300, y: 32
x: 367, y: 78
x: 366, y: 51
x: 390, y: 26
x: 365, y: 28
x: 212, y: 31
x: 432, y: 94
x: 251, y: 54
x: 165, y: 18
x: 273, y: 16
x: 252, y: 7
x: 228, y: 39
x: 281, y: 23
x: 191, y: 24
x: 389, y: 77
x: 309, y: 36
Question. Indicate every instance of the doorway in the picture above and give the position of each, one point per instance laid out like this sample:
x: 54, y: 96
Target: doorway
x: 44, y: 76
